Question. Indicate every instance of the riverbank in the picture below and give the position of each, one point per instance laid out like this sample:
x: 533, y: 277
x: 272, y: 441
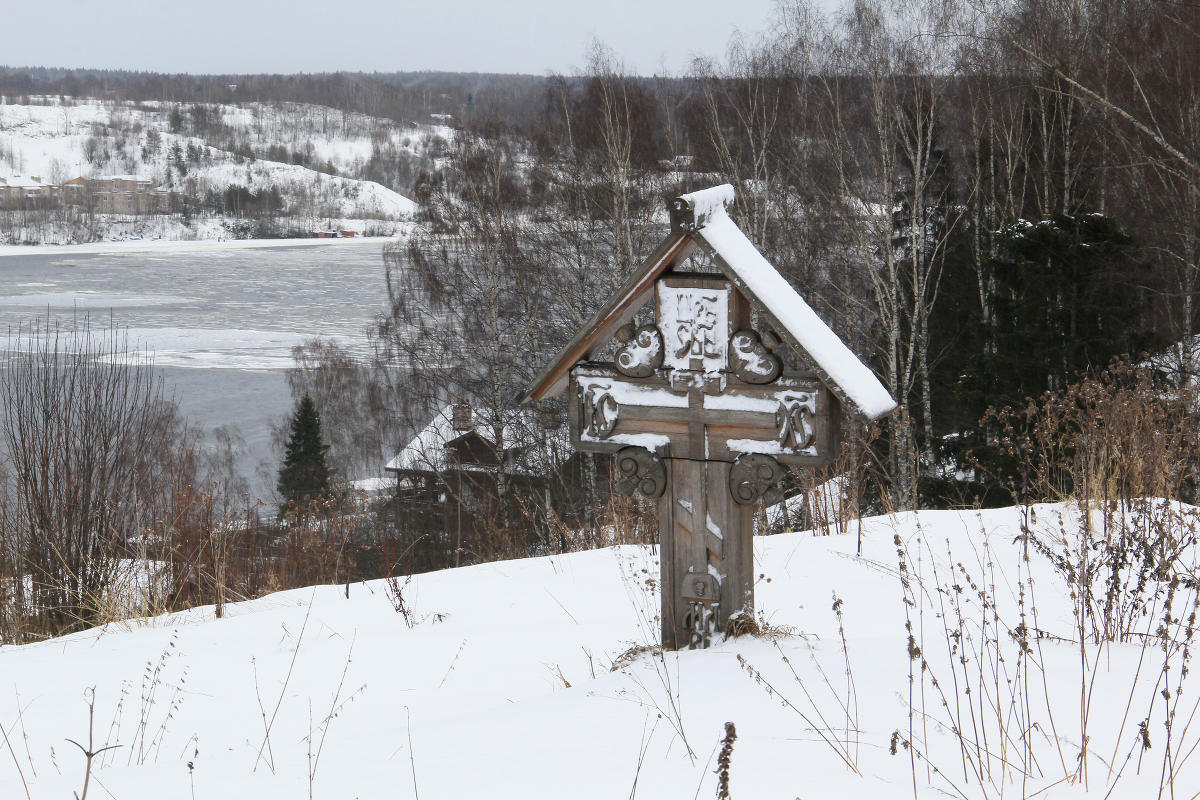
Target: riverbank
x: 193, y: 246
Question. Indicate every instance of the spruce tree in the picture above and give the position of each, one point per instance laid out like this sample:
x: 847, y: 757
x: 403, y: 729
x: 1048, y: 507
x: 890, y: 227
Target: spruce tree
x: 304, y: 474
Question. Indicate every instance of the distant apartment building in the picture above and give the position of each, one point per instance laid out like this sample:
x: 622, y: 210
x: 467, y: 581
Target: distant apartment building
x: 106, y: 194
x: 118, y: 194
x: 75, y: 192
x: 122, y: 194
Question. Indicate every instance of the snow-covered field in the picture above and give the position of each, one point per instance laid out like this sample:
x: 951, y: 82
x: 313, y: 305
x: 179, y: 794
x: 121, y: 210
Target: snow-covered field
x: 509, y: 680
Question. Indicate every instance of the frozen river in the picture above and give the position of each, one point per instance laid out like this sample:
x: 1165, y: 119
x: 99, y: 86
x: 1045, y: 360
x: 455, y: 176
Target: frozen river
x: 220, y: 321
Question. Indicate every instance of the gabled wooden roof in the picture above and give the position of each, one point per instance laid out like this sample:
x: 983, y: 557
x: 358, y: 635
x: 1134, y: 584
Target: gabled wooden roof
x: 427, y: 451
x: 699, y: 220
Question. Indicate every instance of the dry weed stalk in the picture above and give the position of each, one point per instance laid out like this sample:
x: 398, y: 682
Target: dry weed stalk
x: 153, y: 677
x: 16, y: 762
x: 268, y: 724
x: 643, y: 748
x: 336, y: 705
x: 89, y: 753
x: 724, y: 759
x: 641, y: 588
x: 818, y: 726
x: 394, y: 590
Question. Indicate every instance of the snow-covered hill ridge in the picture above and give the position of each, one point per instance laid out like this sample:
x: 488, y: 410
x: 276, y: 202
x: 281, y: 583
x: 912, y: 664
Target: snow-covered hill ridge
x: 324, y: 164
x: 500, y: 683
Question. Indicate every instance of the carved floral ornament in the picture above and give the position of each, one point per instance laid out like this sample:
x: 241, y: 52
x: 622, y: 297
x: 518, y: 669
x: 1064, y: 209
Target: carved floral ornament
x: 641, y: 351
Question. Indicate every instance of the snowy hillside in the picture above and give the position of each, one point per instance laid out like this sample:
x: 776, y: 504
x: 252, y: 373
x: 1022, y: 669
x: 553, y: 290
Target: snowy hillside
x: 531, y: 679
x: 315, y: 160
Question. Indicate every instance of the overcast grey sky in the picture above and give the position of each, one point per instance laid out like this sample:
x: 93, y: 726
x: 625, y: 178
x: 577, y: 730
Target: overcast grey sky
x: 215, y: 36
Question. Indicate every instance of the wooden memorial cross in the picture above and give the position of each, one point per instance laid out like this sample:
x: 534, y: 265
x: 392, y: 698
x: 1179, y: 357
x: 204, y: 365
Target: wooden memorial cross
x: 700, y: 410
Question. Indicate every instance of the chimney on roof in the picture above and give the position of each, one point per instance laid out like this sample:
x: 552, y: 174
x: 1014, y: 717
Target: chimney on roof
x: 460, y: 417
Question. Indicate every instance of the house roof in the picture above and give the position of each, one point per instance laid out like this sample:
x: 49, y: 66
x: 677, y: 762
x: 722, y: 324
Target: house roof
x: 427, y: 450
x: 700, y: 219
x: 21, y: 181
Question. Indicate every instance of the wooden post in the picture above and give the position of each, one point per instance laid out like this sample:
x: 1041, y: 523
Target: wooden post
x: 706, y: 553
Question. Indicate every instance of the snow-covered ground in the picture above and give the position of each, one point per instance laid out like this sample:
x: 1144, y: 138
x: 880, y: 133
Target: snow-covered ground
x: 516, y: 679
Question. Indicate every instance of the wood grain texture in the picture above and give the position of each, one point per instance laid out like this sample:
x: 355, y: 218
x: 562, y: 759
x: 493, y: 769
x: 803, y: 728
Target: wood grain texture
x: 706, y: 551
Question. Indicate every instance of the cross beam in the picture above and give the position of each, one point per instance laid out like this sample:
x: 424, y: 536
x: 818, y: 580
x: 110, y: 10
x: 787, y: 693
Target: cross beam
x: 793, y: 419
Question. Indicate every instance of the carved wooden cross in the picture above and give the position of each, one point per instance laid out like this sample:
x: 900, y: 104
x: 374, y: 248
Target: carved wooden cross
x: 696, y: 402
x: 698, y: 409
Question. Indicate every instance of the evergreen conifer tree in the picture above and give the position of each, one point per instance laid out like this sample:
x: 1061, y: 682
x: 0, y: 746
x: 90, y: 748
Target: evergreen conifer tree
x: 304, y: 474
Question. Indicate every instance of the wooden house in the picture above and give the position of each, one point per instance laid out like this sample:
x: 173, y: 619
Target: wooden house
x: 463, y: 476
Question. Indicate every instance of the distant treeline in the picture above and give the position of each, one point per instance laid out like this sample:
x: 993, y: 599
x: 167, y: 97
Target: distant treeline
x: 401, y: 96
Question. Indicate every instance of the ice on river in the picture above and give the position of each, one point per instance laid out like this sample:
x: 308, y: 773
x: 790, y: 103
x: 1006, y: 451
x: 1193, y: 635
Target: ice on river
x: 220, y: 322
x: 90, y: 300
x: 213, y: 348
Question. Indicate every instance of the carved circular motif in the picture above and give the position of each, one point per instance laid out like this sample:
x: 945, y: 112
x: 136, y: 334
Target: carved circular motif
x: 753, y: 476
x: 640, y: 470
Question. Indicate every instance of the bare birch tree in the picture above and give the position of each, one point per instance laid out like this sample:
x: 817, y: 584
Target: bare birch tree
x: 92, y: 448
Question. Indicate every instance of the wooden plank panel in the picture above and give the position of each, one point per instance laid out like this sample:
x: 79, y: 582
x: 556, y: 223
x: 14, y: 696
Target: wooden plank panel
x: 736, y: 567
x: 667, y: 559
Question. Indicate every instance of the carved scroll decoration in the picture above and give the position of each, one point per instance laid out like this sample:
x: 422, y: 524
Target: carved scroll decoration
x: 641, y: 352
x: 755, y: 476
x: 752, y: 360
x: 640, y: 470
x: 598, y: 411
x: 794, y: 423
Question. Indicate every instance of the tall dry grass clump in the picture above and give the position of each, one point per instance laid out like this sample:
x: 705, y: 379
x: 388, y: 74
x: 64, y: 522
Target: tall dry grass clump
x: 1123, y: 447
x: 1096, y: 699
x: 1122, y: 434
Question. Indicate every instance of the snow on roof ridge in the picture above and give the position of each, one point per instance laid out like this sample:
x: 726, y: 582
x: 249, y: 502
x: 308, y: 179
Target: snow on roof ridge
x: 831, y: 355
x: 707, y: 203
x: 424, y: 450
x: 16, y: 181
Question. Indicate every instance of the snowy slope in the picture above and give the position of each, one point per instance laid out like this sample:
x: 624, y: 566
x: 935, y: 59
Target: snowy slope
x: 51, y: 142
x: 501, y: 687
